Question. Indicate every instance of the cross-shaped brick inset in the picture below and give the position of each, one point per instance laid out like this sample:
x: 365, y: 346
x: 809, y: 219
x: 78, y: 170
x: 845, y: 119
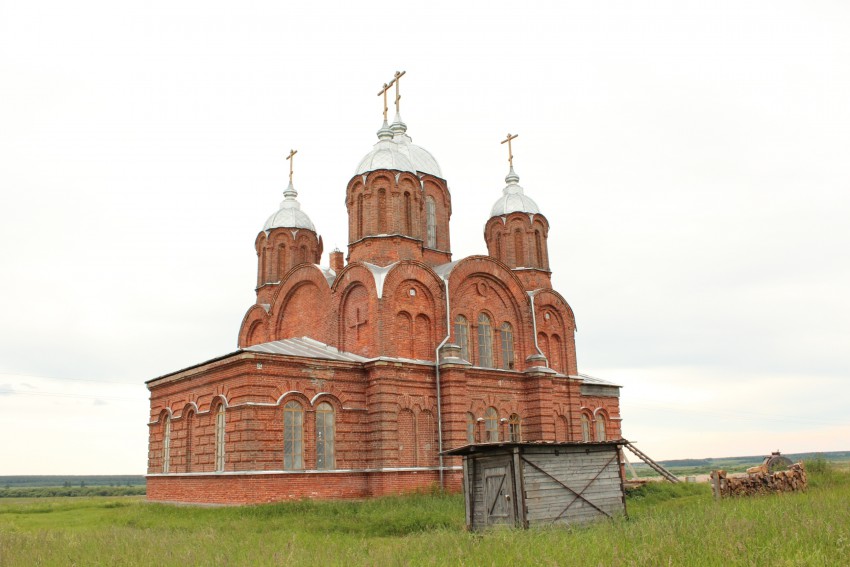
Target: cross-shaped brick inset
x: 357, y: 324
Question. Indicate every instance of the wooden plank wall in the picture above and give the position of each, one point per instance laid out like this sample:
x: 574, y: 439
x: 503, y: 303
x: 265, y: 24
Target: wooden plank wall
x: 545, y: 499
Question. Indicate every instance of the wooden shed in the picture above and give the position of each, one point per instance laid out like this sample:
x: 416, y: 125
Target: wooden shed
x: 526, y: 484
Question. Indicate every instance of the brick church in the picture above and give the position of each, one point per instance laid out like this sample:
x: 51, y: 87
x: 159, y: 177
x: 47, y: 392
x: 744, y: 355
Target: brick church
x: 350, y: 380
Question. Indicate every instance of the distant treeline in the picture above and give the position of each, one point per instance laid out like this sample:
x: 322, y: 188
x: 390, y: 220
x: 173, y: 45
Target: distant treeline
x: 48, y: 491
x: 748, y: 461
x: 69, y: 481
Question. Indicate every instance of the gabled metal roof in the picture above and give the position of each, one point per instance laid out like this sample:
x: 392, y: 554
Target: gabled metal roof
x: 597, y: 381
x: 306, y: 347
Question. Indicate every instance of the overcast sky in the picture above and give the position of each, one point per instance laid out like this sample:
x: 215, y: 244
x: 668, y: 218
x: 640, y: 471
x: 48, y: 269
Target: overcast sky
x: 691, y: 157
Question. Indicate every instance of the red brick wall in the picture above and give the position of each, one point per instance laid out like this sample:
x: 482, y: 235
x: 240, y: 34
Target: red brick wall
x: 262, y: 488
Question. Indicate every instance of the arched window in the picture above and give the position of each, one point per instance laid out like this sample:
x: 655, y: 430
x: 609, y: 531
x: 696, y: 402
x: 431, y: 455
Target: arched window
x: 518, y: 249
x: 470, y: 428
x: 515, y: 428
x: 538, y: 244
x: 431, y: 219
x: 190, y: 418
x: 408, y: 214
x: 585, y: 428
x: 359, y: 234
x: 462, y: 336
x: 324, y: 436
x: 498, y: 239
x: 507, y: 333
x: 302, y: 255
x: 382, y: 211
x: 293, y: 436
x: 600, y: 427
x: 485, y: 341
x: 491, y: 425
x: 219, y: 438
x: 166, y: 444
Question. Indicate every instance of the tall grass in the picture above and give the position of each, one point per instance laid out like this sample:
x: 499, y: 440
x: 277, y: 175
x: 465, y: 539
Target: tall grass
x: 667, y: 525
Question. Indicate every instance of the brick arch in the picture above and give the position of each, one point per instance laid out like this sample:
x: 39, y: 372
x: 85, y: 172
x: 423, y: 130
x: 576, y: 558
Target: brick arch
x: 291, y: 395
x: 299, y: 311
x: 403, y: 334
x: 254, y: 328
x: 286, y: 319
x: 561, y: 323
x: 481, y: 283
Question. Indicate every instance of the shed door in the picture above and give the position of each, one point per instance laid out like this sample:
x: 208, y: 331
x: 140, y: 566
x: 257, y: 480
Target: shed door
x: 499, y: 507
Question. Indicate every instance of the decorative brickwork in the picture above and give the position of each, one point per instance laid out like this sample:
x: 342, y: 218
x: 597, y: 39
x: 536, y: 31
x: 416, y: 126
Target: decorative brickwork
x: 338, y: 389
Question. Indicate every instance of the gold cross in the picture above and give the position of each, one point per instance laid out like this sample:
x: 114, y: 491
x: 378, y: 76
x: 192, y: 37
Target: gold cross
x: 289, y: 157
x: 510, y: 151
x: 397, y: 80
x: 383, y: 91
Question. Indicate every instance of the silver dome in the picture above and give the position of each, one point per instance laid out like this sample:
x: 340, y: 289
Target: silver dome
x: 290, y: 214
x: 395, y: 150
x: 513, y: 199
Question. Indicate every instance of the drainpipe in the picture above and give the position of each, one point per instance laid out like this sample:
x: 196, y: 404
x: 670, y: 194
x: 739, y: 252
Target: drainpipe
x: 534, y: 327
x: 439, y: 398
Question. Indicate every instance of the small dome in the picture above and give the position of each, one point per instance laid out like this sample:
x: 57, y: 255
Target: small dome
x: 290, y: 214
x: 513, y: 199
x: 396, y: 151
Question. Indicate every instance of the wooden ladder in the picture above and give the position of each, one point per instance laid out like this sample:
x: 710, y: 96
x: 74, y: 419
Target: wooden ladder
x: 652, y: 464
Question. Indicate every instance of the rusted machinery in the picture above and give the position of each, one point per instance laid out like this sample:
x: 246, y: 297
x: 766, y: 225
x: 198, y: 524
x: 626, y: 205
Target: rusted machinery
x: 773, y: 463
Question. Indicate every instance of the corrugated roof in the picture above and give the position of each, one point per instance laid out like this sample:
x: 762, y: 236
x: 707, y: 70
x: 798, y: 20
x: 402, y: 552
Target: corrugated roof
x: 305, y: 347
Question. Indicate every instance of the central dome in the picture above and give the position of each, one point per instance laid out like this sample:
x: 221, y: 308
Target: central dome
x: 395, y: 150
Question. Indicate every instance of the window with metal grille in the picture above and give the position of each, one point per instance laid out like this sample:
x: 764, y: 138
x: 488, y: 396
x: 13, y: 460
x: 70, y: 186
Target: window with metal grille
x: 324, y: 436
x: 485, y: 341
x: 293, y: 436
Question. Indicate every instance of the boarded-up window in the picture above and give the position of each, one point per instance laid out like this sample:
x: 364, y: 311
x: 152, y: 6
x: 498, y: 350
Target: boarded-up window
x: 585, y: 428
x: 485, y: 341
x: 324, y: 436
x: 462, y: 336
x: 293, y: 436
x: 491, y: 425
x: 219, y: 439
x: 600, y: 427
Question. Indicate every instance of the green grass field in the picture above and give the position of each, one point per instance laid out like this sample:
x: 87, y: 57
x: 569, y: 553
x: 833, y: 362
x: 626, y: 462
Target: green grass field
x: 667, y: 525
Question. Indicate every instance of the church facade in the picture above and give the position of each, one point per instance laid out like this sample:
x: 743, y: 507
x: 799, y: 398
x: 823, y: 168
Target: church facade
x: 351, y: 379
